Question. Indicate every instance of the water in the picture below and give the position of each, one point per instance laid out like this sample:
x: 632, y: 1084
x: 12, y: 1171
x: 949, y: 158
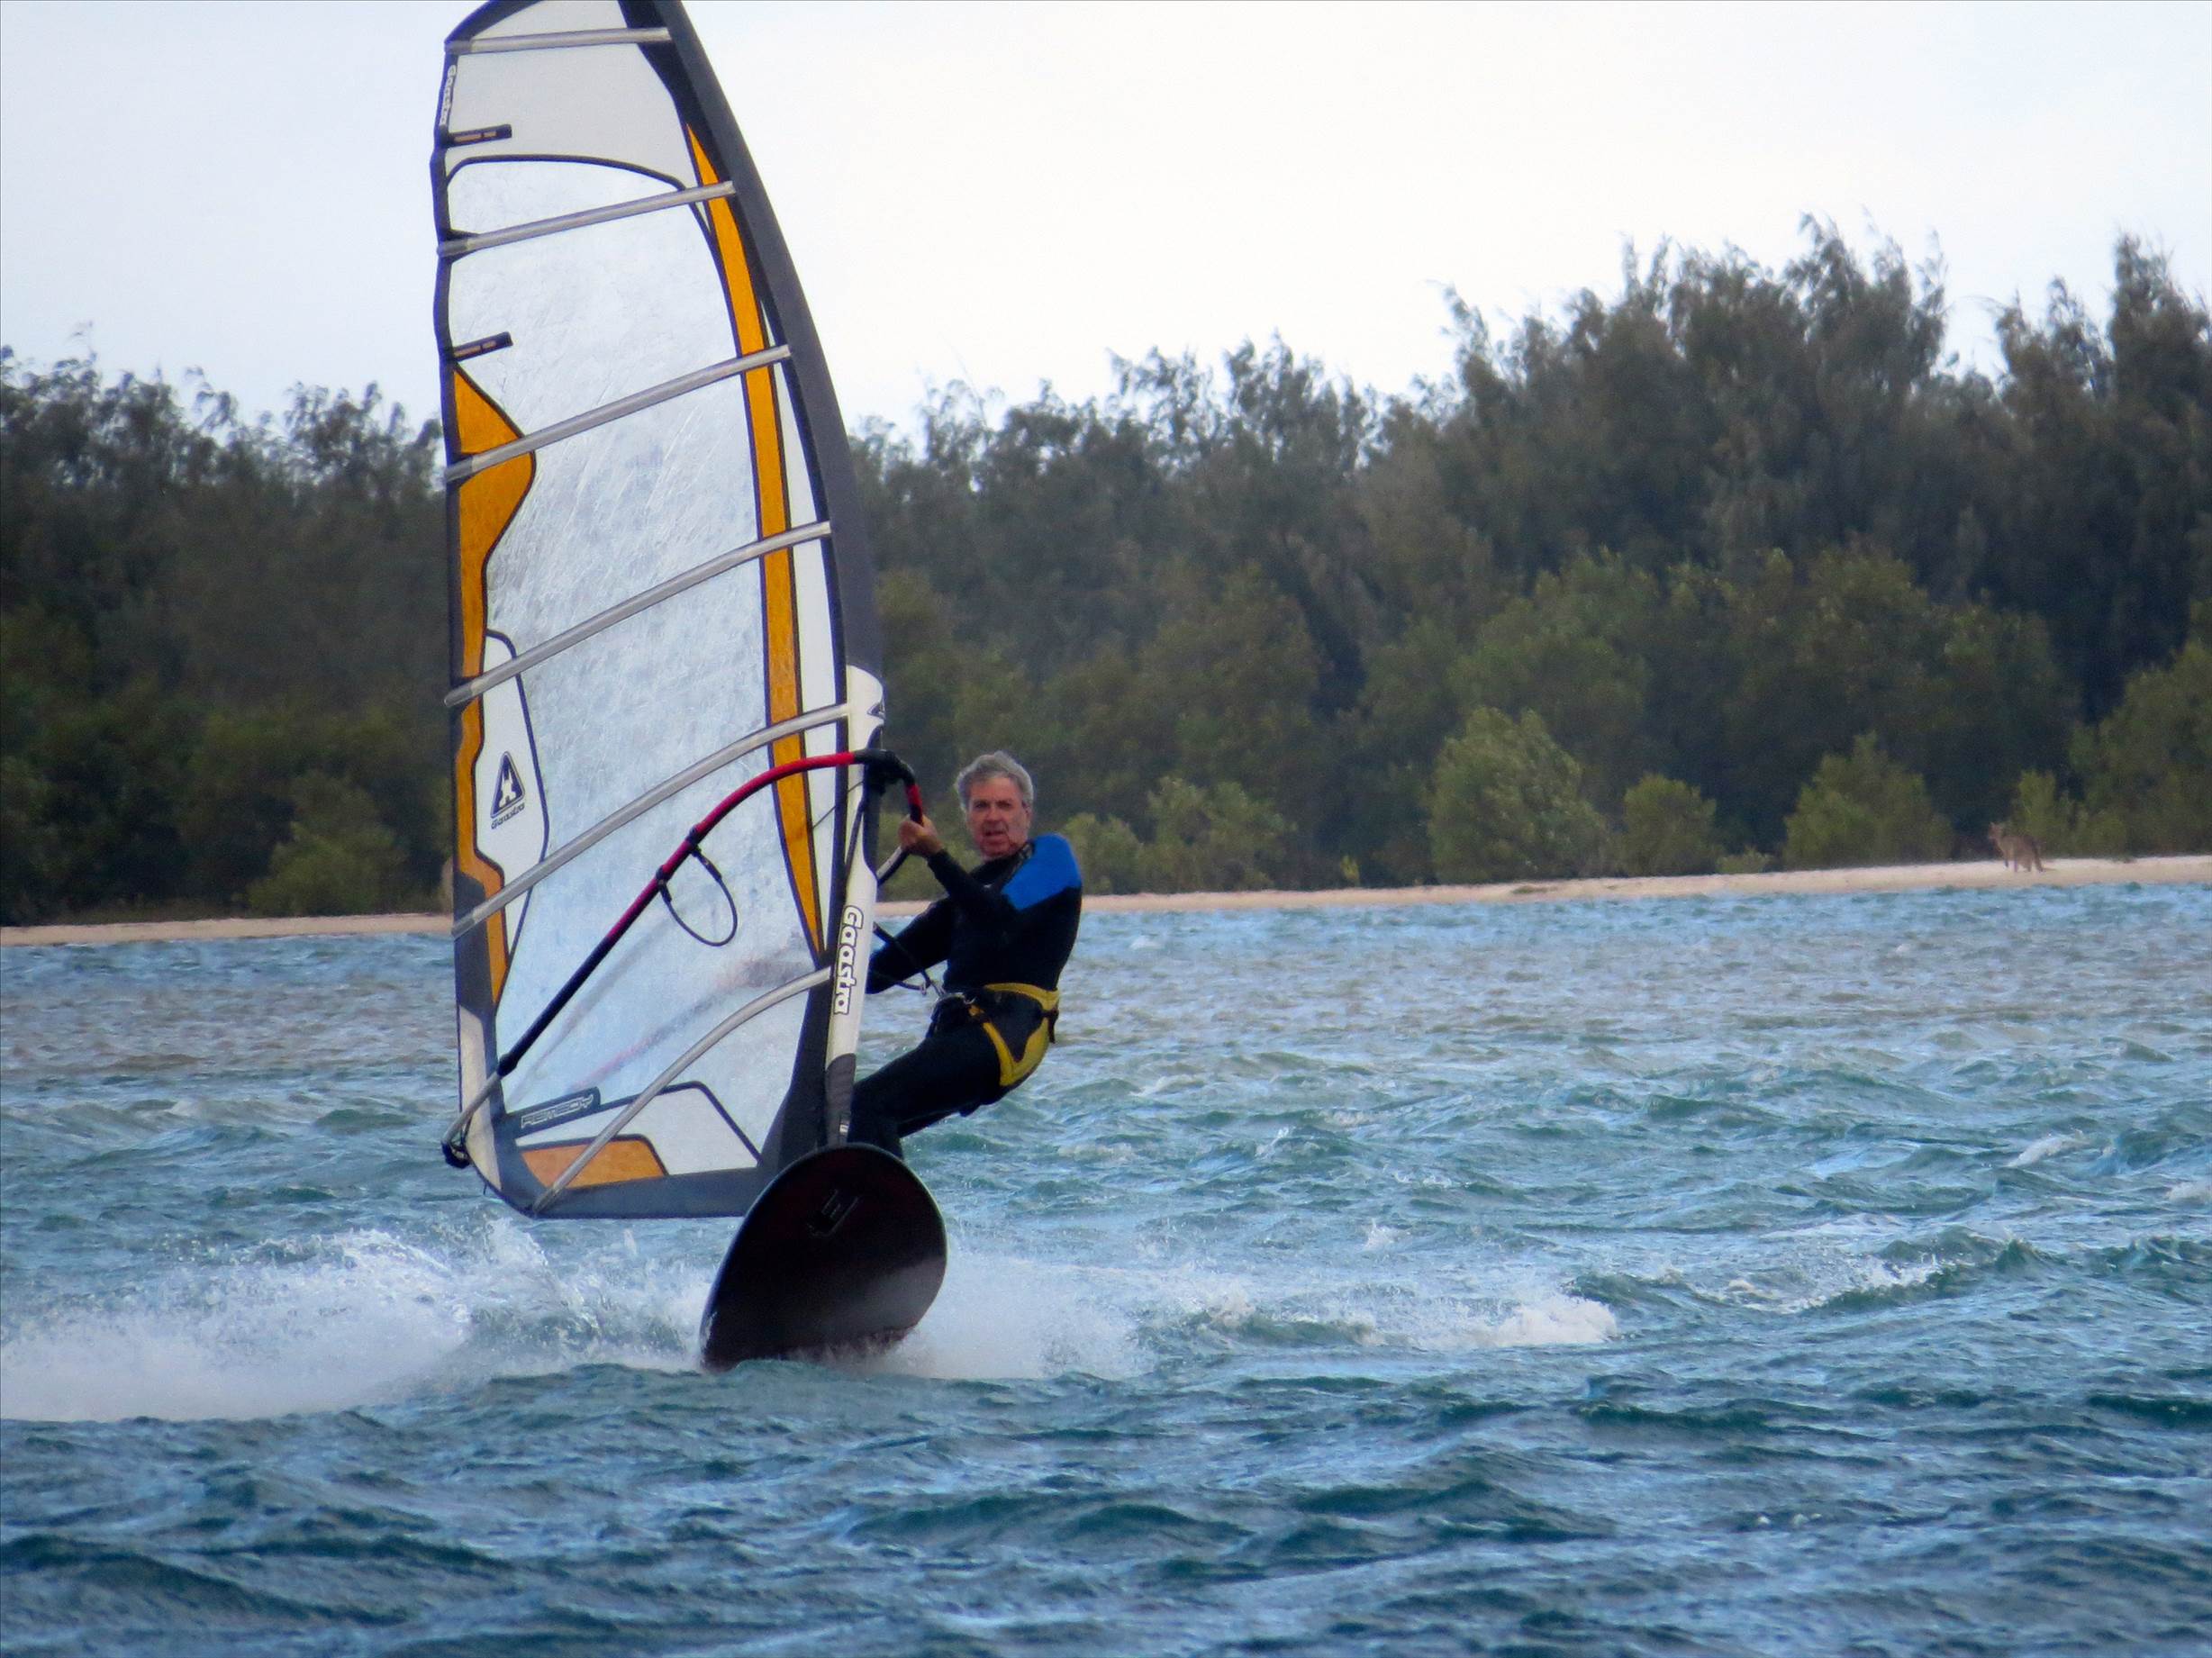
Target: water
x: 1769, y: 1275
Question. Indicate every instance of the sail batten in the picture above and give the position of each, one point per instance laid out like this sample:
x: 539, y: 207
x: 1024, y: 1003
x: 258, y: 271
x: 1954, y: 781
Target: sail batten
x: 660, y: 590
x: 456, y: 246
x: 477, y: 348
x: 547, y: 42
x: 468, y: 466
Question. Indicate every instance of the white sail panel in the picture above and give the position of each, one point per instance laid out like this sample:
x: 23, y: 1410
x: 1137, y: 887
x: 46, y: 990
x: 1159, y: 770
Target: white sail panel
x: 592, y: 313
x: 485, y: 200
x: 605, y: 101
x: 551, y: 17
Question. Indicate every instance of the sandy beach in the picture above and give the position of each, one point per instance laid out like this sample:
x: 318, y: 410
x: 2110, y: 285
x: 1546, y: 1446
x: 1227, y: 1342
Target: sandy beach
x: 1806, y: 883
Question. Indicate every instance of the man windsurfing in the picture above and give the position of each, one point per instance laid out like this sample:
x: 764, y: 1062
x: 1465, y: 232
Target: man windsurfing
x: 1003, y: 930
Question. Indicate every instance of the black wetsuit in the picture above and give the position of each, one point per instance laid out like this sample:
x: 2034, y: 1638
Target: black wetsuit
x: 1003, y: 932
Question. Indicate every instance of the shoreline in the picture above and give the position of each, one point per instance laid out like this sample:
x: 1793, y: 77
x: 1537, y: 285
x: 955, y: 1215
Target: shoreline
x: 2193, y: 868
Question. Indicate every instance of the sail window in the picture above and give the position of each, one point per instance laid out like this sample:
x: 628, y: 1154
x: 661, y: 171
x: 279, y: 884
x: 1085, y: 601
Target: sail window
x: 659, y: 1084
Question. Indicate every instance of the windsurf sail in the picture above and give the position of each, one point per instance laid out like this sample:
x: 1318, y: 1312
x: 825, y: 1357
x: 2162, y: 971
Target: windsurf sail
x: 661, y: 591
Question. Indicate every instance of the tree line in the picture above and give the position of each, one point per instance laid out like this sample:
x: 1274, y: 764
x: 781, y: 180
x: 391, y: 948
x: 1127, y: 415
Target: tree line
x: 221, y: 649
x: 1717, y: 570
x: 1733, y: 566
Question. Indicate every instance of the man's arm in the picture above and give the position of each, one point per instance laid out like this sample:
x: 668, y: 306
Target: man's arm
x: 991, y: 912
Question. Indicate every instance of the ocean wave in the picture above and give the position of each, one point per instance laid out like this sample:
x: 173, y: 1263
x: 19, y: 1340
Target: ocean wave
x: 1848, y: 1263
x: 2049, y: 1145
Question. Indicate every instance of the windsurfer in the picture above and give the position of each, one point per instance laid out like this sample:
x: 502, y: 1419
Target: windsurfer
x: 1003, y: 930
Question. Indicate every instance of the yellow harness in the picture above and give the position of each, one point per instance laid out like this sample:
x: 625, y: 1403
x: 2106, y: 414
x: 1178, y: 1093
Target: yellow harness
x: 1014, y: 1068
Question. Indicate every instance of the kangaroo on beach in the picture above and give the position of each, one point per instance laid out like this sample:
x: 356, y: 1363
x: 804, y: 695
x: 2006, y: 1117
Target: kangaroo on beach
x: 2018, y: 851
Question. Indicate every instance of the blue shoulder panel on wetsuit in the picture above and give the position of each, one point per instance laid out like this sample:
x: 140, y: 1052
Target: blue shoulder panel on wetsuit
x: 1050, y: 870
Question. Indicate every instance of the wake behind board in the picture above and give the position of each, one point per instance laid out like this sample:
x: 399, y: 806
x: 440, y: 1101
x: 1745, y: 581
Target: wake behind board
x: 845, y: 1250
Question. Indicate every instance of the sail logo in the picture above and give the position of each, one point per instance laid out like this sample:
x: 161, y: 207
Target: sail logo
x: 507, y: 793
x: 833, y: 1214
x: 553, y: 1112
x: 848, y: 960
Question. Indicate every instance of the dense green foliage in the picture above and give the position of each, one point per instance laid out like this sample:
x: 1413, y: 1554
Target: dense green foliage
x: 221, y: 645
x: 1217, y: 839
x: 2150, y: 764
x: 1717, y: 528
x: 1720, y: 542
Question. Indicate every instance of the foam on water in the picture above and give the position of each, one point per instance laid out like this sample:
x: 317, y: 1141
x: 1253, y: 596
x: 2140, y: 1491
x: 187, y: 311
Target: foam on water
x: 369, y: 1318
x: 1002, y: 1318
x: 243, y: 1341
x: 1008, y: 1317
x: 361, y: 1318
x: 1553, y: 1321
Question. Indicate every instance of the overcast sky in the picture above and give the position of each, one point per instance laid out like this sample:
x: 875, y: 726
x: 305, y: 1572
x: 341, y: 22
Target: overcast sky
x: 1005, y: 195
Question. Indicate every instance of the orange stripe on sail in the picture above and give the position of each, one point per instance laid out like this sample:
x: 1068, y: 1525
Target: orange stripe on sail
x: 487, y: 504
x: 625, y: 1158
x: 779, y: 583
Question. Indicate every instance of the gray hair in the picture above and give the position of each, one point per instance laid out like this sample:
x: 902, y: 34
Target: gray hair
x: 998, y: 763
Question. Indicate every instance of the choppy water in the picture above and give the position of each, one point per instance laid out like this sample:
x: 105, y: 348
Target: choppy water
x: 1777, y: 1276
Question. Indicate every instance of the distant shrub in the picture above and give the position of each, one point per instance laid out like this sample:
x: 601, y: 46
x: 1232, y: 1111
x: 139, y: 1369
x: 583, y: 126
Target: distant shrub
x: 2060, y: 824
x: 1214, y: 839
x: 1750, y: 861
x: 1667, y: 829
x: 339, y: 859
x: 240, y: 796
x: 2150, y: 763
x: 2041, y: 811
x: 1863, y: 808
x: 1108, y: 851
x: 1506, y: 804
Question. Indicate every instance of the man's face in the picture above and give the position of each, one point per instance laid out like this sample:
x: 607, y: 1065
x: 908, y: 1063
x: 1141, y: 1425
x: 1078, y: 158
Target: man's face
x: 998, y: 823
